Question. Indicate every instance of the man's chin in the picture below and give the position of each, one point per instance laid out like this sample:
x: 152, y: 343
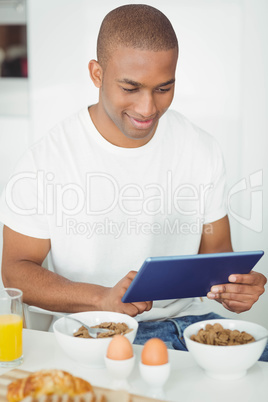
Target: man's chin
x: 140, y: 134
x: 142, y: 138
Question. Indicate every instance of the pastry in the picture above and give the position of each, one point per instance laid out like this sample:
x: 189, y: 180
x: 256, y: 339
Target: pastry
x: 48, y: 382
x: 88, y: 397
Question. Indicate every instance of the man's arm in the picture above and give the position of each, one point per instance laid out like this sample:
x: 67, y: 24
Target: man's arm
x: 216, y: 237
x: 245, y: 290
x: 21, y: 268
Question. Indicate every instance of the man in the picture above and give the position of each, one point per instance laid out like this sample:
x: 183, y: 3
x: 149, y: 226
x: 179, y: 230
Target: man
x: 120, y: 181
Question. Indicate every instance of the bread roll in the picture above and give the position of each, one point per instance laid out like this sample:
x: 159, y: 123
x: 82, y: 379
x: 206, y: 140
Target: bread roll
x: 88, y: 397
x: 48, y: 382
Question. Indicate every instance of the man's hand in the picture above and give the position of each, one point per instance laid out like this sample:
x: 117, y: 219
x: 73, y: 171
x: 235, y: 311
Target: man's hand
x: 112, y: 298
x: 239, y: 295
x: 244, y: 290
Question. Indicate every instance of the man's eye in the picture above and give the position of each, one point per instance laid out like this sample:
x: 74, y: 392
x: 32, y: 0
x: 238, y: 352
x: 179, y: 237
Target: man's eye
x: 129, y: 89
x: 163, y: 90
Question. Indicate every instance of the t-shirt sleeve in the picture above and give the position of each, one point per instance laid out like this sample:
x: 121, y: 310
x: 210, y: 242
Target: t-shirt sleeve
x: 22, y: 206
x: 215, y: 205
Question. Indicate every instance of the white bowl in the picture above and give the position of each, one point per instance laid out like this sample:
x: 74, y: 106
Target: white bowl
x: 90, y: 352
x: 226, y: 362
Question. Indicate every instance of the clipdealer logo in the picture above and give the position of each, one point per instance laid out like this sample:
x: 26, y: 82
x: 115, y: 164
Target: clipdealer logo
x: 70, y: 199
x: 100, y: 196
x: 132, y: 226
x: 251, y: 188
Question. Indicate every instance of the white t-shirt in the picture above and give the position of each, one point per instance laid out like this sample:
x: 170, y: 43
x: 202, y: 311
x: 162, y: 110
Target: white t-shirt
x: 106, y: 208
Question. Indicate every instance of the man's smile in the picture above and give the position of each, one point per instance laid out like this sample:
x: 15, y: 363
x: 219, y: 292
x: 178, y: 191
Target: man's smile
x: 140, y: 123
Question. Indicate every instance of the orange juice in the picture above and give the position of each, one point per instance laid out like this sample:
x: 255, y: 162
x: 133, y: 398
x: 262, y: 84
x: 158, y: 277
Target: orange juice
x: 10, y: 337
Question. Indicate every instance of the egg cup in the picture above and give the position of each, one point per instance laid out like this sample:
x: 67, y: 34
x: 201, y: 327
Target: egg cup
x: 120, y: 370
x: 156, y: 377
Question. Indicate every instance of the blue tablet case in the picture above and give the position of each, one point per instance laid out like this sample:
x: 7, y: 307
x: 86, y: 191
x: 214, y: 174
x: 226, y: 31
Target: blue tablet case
x: 177, y: 277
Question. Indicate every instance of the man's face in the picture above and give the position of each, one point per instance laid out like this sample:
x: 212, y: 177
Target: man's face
x: 137, y: 88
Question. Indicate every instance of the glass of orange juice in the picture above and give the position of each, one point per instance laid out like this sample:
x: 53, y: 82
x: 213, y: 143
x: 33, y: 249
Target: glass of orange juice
x: 11, y: 318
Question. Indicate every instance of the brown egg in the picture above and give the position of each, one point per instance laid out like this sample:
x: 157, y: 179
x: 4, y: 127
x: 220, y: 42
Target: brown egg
x: 119, y: 348
x: 154, y: 352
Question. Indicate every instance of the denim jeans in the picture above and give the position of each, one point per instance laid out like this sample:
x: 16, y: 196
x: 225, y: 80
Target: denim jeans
x: 171, y: 331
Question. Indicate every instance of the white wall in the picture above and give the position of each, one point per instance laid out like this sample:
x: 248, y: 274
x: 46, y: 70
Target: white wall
x: 221, y: 86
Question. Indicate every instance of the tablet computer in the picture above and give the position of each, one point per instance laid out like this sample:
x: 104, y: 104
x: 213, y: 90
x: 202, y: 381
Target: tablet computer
x: 183, y: 276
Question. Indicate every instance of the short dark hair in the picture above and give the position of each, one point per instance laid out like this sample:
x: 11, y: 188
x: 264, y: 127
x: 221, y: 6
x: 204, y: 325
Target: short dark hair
x: 135, y: 25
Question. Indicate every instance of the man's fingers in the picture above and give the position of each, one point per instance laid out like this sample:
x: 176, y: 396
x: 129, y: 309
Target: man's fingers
x: 251, y: 284
x: 149, y: 306
x: 240, y: 293
x: 235, y: 295
x: 238, y: 307
x: 235, y: 302
x: 126, y: 281
x: 253, y: 278
x: 132, y: 308
x: 224, y: 290
x: 143, y: 306
x: 131, y: 275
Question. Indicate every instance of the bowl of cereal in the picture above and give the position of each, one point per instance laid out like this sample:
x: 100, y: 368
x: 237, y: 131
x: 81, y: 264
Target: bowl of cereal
x: 74, y: 339
x: 225, y: 348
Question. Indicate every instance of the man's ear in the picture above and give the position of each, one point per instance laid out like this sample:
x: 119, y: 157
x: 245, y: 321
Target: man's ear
x: 95, y: 72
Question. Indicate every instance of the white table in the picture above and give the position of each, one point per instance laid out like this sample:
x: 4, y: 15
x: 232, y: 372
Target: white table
x: 187, y: 382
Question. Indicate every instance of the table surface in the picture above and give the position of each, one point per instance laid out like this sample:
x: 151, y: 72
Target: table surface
x: 187, y: 381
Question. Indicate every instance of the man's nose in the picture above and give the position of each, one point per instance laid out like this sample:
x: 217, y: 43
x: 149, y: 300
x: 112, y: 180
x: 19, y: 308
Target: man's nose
x: 145, y: 105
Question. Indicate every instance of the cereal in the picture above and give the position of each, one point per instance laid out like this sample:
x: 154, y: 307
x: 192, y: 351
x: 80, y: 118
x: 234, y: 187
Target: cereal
x: 114, y: 329
x: 217, y: 335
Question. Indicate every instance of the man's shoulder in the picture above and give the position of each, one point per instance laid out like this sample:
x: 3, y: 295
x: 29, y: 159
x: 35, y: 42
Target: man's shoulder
x: 184, y: 128
x: 65, y: 132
